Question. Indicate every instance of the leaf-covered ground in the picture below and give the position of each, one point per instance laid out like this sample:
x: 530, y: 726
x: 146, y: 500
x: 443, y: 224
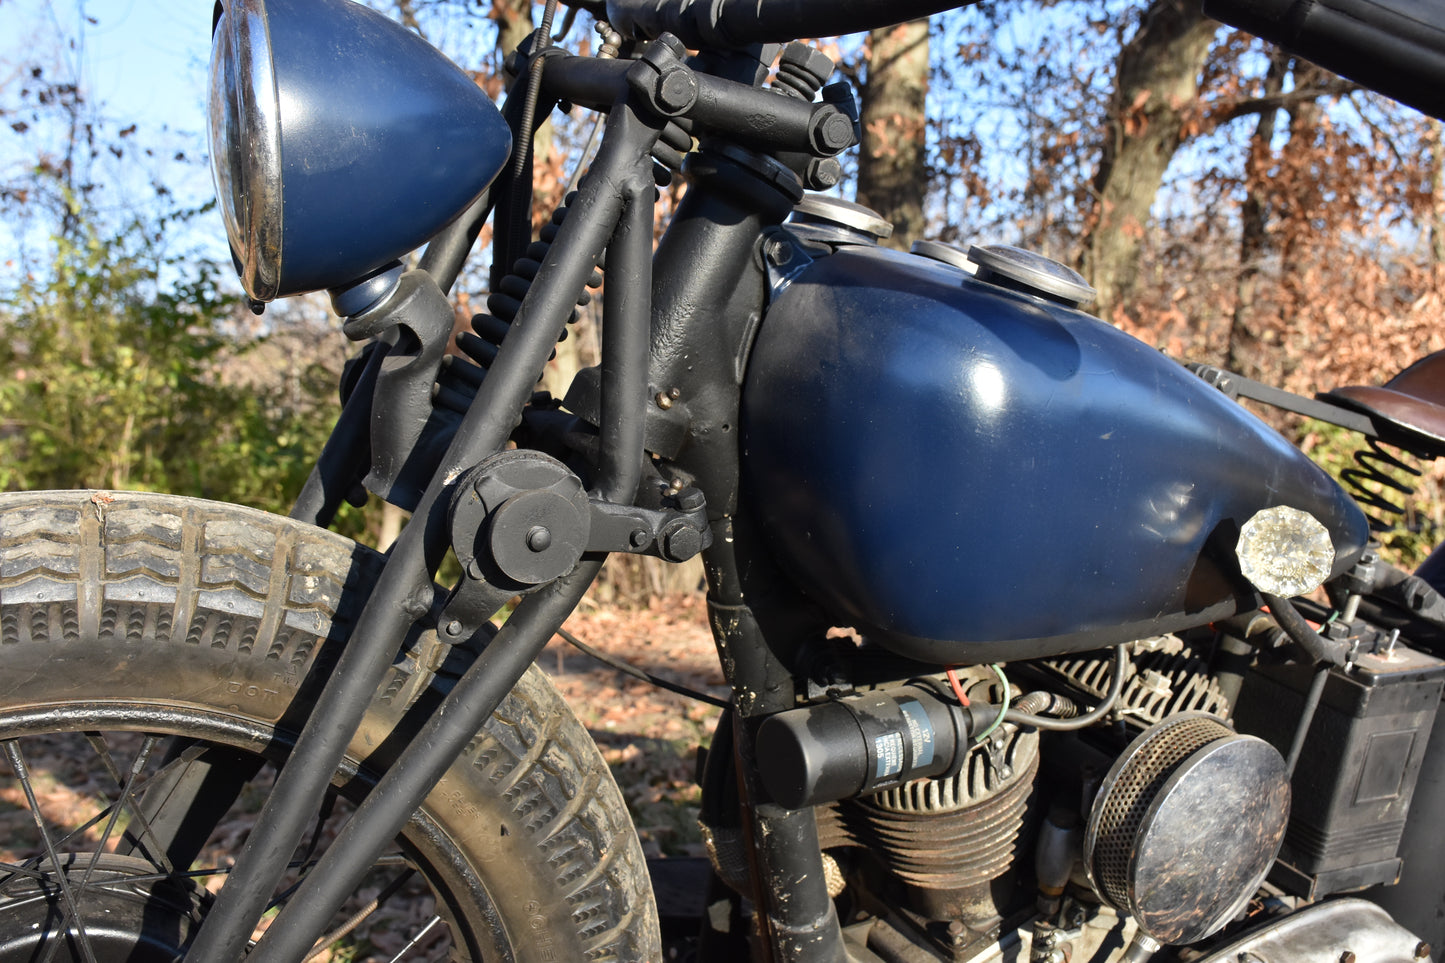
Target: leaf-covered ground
x: 648, y: 736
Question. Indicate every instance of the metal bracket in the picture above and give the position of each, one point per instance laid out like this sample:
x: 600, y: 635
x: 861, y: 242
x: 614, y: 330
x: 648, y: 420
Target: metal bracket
x: 1237, y: 386
x: 408, y: 435
x: 671, y: 534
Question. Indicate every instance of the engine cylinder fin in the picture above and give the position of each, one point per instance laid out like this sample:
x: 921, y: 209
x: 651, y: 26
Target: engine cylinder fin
x: 1164, y: 678
x: 947, y: 840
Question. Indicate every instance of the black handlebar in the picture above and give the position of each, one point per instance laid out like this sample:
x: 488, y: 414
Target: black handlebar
x: 737, y: 23
x: 1394, y: 46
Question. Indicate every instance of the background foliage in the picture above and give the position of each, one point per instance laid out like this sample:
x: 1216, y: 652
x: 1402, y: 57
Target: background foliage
x: 1232, y: 205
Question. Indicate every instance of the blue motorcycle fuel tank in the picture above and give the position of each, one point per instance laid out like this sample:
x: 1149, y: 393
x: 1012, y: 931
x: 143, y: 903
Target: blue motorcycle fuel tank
x: 969, y: 473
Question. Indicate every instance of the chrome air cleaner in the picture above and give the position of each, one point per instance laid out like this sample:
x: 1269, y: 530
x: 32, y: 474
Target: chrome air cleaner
x: 1185, y: 826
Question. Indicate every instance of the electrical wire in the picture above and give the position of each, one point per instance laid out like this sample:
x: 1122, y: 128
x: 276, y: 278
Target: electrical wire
x: 1116, y: 686
x: 1003, y: 707
x: 956, y: 686
x: 628, y: 668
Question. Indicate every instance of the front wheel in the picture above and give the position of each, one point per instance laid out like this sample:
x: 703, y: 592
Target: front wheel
x: 157, y: 657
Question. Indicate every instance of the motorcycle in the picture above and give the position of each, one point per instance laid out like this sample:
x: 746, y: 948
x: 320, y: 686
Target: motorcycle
x: 1124, y: 677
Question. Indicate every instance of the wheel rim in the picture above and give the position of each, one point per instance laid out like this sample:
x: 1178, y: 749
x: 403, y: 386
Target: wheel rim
x: 83, y: 873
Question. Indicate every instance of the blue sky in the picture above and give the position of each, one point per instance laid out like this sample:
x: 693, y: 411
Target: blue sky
x: 140, y: 62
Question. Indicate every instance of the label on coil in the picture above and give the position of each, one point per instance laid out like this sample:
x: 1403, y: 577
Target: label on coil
x: 889, y: 750
x: 920, y: 729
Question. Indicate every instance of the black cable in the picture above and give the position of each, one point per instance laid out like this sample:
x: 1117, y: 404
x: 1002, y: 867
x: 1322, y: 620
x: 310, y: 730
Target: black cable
x: 1307, y: 715
x: 1316, y: 646
x: 632, y: 670
x: 1116, y: 686
x: 521, y: 229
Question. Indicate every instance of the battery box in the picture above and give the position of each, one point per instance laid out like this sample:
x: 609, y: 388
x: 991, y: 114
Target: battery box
x: 1356, y: 774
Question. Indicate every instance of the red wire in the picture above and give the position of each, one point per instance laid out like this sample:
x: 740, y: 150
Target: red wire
x: 957, y: 686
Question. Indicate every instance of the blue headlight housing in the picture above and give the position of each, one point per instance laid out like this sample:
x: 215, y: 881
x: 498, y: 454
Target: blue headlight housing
x: 339, y: 141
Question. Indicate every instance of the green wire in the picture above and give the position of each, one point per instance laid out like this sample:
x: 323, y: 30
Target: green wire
x: 1003, y: 709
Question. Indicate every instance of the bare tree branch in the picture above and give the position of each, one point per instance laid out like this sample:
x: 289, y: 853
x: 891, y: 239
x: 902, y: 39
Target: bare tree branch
x: 1231, y: 110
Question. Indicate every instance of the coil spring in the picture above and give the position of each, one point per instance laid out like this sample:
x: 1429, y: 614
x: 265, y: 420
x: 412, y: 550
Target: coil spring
x: 1375, y: 466
x: 672, y: 144
x: 802, y: 72
x: 458, y: 381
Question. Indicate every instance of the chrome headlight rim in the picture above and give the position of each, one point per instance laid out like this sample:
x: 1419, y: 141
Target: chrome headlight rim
x: 254, y: 224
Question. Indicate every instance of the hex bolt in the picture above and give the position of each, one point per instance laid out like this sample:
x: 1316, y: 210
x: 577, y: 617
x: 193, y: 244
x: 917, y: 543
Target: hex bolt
x: 680, y: 542
x: 831, y: 131
x: 690, y: 499
x: 823, y: 173
x: 676, y: 90
x: 778, y: 252
x: 638, y: 538
x: 808, y: 60
x: 673, y: 44
x: 538, y: 538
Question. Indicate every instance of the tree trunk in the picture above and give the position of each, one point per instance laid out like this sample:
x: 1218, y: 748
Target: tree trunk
x: 1156, y: 92
x: 514, y: 23
x: 1241, y: 352
x: 1437, y: 190
x: 1305, y: 201
x: 892, y: 164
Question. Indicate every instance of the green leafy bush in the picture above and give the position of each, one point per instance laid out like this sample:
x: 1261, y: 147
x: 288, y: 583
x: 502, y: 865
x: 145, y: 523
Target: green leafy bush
x: 114, y: 366
x: 1407, y: 537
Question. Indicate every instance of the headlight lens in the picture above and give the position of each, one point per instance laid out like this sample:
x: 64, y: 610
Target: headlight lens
x: 245, y: 142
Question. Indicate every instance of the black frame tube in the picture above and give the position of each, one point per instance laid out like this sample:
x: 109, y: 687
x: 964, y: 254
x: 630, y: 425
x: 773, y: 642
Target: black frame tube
x: 482, y: 688
x: 627, y: 316
x: 447, y: 253
x: 346, y: 452
x: 389, y: 805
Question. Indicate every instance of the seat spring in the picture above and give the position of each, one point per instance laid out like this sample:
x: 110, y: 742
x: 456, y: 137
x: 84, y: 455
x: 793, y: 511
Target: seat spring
x: 1376, y: 465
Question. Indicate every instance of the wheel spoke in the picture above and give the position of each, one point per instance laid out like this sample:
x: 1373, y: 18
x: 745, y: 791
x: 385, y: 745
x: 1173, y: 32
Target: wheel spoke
x: 161, y: 863
x: 102, y: 751
x: 97, y: 742
x: 69, y: 907
x: 24, y: 871
x: 360, y: 915
x: 417, y: 938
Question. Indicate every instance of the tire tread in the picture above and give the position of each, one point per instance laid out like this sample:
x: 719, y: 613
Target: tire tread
x: 171, y: 580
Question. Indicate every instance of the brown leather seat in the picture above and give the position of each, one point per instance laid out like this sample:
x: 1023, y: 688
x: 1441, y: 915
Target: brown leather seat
x: 1412, y: 404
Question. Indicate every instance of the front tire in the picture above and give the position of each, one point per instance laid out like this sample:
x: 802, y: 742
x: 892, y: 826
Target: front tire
x: 128, y: 619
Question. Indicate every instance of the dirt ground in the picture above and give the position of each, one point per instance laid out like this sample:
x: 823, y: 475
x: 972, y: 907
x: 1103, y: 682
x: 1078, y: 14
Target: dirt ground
x: 649, y: 736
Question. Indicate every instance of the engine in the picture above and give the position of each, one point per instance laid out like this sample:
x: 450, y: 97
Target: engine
x: 1158, y: 829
